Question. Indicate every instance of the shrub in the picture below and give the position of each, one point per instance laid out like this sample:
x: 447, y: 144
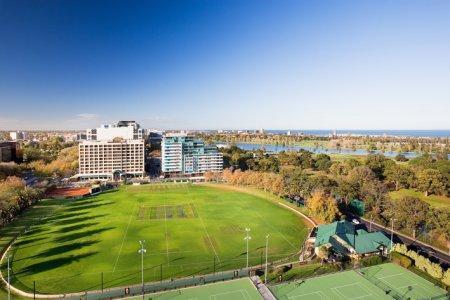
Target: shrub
x: 446, y: 278
x: 401, y: 260
x: 371, y: 261
x: 421, y: 262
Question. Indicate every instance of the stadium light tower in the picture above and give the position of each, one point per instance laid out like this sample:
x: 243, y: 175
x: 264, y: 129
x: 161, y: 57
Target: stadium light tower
x: 247, y: 238
x: 267, y: 251
x: 142, y: 251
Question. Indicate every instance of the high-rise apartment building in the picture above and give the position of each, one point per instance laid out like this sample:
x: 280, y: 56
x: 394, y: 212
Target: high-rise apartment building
x: 113, y: 152
x: 184, y: 155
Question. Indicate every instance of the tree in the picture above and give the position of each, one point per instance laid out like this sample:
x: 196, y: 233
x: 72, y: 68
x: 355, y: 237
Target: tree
x: 376, y: 162
x: 401, y: 157
x: 431, y: 181
x: 322, y: 162
x: 347, y: 190
x: 296, y: 183
x: 401, y: 177
x: 306, y: 160
x: 323, y: 206
x: 410, y: 213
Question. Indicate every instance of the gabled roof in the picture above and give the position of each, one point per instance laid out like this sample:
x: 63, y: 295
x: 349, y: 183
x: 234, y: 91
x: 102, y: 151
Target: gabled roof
x: 325, y: 231
x: 342, y: 235
x: 371, y: 242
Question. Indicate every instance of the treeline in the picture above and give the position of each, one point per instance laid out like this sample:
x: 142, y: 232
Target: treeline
x: 65, y: 164
x: 317, y: 178
x: 15, y: 197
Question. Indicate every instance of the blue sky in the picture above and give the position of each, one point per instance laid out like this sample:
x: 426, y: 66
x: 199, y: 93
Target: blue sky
x: 225, y: 64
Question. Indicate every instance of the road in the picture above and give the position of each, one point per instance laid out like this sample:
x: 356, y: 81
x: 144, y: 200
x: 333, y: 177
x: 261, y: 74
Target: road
x: 439, y: 255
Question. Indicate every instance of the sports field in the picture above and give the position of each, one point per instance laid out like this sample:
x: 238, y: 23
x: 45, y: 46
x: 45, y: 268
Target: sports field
x: 187, y: 228
x: 240, y: 289
x: 386, y: 281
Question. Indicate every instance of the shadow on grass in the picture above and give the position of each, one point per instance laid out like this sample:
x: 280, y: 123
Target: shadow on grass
x: 77, y: 220
x: 62, y: 216
x: 89, y: 206
x: 59, y: 250
x: 75, y: 227
x: 80, y: 235
x: 65, y: 248
x: 52, y: 264
x: 28, y: 241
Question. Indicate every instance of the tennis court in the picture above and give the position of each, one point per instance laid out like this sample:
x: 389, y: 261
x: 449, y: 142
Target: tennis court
x: 402, y: 281
x: 239, y: 289
x: 386, y: 281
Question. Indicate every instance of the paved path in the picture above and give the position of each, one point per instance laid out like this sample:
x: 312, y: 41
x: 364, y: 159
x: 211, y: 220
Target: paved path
x: 262, y: 289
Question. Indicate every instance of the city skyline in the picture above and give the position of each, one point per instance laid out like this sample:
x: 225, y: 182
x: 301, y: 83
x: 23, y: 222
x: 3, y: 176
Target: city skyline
x: 246, y: 65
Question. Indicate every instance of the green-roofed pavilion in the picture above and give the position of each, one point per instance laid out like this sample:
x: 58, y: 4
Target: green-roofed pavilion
x: 345, y: 239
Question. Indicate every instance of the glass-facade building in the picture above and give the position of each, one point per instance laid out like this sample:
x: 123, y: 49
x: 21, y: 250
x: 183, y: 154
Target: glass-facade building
x: 184, y: 155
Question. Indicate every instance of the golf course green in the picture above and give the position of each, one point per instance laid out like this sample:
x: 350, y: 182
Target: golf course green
x: 84, y: 244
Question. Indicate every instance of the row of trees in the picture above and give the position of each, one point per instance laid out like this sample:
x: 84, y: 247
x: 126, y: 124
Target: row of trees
x: 15, y: 197
x: 425, y: 173
x: 317, y: 179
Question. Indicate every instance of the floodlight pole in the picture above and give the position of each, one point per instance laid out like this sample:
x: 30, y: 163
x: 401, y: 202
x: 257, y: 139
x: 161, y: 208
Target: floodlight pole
x: 142, y: 251
x: 267, y: 251
x: 9, y: 282
x: 247, y: 238
x: 392, y: 236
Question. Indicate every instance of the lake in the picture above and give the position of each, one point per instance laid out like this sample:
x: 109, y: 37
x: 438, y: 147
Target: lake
x: 278, y: 148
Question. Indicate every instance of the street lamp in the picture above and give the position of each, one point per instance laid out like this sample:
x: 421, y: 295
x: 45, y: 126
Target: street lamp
x: 142, y: 251
x: 267, y: 251
x: 247, y: 238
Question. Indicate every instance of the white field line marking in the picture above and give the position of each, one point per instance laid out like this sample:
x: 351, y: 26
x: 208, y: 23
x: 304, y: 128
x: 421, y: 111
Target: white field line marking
x: 124, y: 236
x: 203, y: 224
x: 227, y: 293
x: 336, y: 290
x: 270, y: 225
x: 248, y: 294
x: 388, y: 276
x: 165, y: 225
x: 321, y: 294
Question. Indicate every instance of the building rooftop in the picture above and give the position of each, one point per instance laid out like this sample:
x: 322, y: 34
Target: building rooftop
x: 343, y: 236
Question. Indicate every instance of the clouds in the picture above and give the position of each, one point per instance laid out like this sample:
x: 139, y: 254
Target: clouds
x: 86, y: 117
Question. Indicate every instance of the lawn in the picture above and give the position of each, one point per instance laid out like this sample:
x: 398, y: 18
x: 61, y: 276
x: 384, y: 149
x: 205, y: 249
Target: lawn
x: 386, y: 281
x: 73, y: 244
x: 433, y: 200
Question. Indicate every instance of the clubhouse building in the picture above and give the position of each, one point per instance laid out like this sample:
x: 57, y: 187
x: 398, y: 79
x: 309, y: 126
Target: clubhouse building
x: 343, y: 238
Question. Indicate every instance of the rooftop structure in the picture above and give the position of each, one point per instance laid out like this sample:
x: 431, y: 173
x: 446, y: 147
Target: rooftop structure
x: 128, y: 130
x: 344, y: 238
